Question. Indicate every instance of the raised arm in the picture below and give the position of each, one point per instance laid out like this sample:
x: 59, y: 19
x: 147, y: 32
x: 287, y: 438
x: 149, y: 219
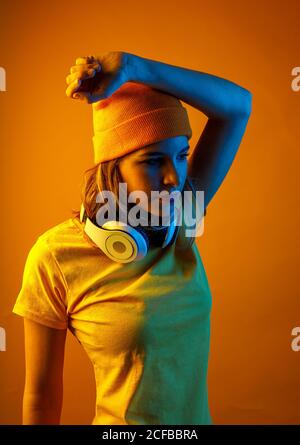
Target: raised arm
x: 227, y: 105
x: 44, y: 355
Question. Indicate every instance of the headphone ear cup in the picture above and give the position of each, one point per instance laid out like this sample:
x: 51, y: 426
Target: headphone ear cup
x: 123, y: 242
x: 120, y: 247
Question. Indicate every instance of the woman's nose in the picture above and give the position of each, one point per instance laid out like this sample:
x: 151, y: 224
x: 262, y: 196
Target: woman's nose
x: 171, y: 176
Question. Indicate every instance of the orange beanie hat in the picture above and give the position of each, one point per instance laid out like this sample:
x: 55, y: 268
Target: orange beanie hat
x: 136, y: 115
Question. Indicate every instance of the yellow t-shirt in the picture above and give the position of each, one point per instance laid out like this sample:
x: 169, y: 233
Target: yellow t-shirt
x: 144, y: 325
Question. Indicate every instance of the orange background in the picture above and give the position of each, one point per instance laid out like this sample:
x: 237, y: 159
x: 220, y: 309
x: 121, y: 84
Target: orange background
x: 250, y: 237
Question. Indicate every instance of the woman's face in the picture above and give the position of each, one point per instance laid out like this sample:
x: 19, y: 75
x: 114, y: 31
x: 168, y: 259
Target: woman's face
x: 161, y: 166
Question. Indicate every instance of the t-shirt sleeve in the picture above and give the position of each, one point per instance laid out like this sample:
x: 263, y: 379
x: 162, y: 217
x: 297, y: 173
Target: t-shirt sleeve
x: 43, y: 294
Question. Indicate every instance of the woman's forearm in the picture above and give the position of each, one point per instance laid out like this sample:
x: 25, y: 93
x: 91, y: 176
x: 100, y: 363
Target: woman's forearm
x: 214, y: 96
x: 41, y: 410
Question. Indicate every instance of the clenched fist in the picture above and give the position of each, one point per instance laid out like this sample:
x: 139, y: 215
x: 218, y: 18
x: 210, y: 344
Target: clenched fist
x: 93, y: 78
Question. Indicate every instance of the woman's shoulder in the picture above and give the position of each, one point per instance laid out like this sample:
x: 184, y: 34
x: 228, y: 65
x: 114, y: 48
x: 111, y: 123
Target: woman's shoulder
x: 58, y: 239
x: 60, y: 232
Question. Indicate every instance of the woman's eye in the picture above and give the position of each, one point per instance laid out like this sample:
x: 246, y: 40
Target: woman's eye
x: 152, y: 161
x: 184, y: 156
x: 158, y: 160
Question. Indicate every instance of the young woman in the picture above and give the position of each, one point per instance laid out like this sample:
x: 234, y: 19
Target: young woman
x: 144, y: 322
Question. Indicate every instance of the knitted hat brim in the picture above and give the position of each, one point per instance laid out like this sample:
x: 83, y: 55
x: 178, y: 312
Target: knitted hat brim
x: 140, y: 131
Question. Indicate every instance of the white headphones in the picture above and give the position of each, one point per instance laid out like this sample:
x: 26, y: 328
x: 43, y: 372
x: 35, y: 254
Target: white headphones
x: 123, y: 243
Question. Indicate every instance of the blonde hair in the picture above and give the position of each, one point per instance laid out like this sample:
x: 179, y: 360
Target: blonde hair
x: 107, y: 176
x: 102, y: 176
